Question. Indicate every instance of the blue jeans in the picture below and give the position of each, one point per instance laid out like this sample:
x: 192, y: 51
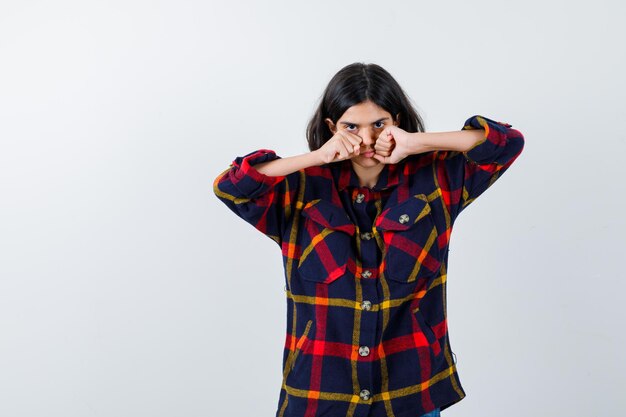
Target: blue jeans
x: 434, y: 413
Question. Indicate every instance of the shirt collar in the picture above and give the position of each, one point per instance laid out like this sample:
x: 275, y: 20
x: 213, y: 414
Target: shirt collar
x: 345, y: 175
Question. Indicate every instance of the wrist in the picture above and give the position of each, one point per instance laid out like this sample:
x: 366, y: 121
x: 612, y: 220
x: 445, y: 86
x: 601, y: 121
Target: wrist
x: 430, y: 141
x: 315, y: 158
x: 420, y: 142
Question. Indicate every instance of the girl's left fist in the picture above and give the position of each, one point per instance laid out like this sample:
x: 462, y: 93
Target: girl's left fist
x: 392, y: 145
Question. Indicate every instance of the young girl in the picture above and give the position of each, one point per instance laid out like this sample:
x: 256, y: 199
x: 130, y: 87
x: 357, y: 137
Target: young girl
x: 364, y: 223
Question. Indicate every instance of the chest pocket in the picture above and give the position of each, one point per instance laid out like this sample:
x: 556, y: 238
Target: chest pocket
x: 410, y: 240
x: 324, y: 240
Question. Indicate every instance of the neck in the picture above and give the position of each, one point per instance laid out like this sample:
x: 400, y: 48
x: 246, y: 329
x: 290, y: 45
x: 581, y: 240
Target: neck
x: 368, y: 177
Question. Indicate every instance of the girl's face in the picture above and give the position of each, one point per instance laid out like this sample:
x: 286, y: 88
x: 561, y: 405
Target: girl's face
x: 366, y: 120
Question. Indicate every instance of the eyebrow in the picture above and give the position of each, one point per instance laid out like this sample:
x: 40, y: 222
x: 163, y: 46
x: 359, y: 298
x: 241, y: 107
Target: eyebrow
x: 356, y: 124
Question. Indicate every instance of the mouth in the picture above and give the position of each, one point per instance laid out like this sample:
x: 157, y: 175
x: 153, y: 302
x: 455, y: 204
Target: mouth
x: 368, y: 153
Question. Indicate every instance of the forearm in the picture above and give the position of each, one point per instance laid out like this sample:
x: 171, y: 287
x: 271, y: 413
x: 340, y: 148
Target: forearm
x: 287, y: 165
x: 462, y: 140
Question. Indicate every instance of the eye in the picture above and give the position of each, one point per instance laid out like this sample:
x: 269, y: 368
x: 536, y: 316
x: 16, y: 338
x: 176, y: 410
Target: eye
x: 379, y: 124
x: 350, y: 127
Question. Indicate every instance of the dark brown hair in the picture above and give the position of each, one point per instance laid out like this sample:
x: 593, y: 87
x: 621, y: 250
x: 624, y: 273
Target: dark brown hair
x: 354, y: 84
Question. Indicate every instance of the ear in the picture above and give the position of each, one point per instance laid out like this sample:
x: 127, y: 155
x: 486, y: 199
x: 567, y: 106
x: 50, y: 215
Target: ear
x: 397, y: 121
x: 331, y: 125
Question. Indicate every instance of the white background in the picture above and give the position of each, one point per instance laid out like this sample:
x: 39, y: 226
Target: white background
x: 128, y: 289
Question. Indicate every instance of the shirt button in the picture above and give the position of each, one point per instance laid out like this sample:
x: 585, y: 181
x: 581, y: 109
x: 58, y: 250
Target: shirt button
x: 364, y: 351
x: 366, y: 305
x: 360, y: 197
x: 366, y: 274
x: 404, y: 218
x: 365, y: 394
x: 366, y: 235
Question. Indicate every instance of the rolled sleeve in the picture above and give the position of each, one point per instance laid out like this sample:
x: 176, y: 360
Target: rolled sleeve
x: 264, y: 201
x: 247, y: 179
x: 464, y: 176
x: 494, y: 142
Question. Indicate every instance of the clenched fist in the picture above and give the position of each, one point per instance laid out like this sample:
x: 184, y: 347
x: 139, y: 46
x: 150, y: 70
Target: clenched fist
x: 343, y: 145
x: 392, y: 145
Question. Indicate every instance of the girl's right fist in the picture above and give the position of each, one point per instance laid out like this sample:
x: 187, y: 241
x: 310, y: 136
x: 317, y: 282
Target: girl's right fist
x: 343, y: 145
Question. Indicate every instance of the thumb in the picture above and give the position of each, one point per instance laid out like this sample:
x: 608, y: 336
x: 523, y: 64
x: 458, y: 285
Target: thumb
x: 380, y: 158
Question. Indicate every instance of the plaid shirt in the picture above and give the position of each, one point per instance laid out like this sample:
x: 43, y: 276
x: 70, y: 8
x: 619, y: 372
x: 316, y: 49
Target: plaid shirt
x: 365, y: 272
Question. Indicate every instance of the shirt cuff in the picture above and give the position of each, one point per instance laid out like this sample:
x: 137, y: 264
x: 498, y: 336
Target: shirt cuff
x: 487, y: 149
x: 247, y: 179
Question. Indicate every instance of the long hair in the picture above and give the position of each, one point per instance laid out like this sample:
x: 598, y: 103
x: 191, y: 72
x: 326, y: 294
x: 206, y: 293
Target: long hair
x: 354, y: 84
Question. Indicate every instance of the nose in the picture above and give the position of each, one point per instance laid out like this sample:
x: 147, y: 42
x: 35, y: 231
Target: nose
x: 368, y: 136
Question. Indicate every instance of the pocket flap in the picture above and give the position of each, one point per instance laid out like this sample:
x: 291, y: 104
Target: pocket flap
x: 329, y: 215
x: 404, y: 215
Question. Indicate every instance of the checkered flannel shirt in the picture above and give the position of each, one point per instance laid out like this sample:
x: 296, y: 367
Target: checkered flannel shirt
x: 365, y: 273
